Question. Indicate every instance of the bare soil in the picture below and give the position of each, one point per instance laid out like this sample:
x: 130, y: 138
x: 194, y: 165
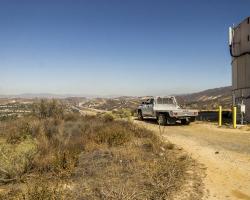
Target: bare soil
x: 224, y: 153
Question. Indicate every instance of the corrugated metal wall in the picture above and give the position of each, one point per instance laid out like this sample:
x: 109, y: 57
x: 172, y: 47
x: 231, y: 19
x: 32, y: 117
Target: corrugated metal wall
x: 241, y: 38
x: 240, y: 50
x: 241, y: 72
x: 247, y: 103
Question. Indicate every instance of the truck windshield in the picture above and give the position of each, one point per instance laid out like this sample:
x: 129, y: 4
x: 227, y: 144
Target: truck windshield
x: 165, y: 101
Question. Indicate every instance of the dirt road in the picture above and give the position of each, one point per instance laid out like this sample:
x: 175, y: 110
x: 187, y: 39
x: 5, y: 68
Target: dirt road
x: 224, y: 152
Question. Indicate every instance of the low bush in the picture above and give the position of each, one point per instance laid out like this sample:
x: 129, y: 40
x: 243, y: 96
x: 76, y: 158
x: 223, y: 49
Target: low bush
x: 104, y: 157
x: 49, y: 108
x: 20, y: 131
x: 42, y: 189
x: 112, y: 134
x: 122, y: 113
x: 108, y: 117
x: 16, y: 159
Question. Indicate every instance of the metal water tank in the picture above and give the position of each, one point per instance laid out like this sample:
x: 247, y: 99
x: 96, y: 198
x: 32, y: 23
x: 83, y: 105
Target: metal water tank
x: 239, y: 42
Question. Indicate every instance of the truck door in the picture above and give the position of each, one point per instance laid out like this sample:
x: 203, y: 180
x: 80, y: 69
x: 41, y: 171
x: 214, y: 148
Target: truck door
x: 144, y: 108
x: 150, y: 107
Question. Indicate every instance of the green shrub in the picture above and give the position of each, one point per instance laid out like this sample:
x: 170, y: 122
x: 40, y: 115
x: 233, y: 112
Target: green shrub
x: 112, y: 134
x: 51, y: 127
x: 21, y: 131
x: 72, y: 116
x: 49, y: 108
x: 16, y: 159
x: 43, y: 190
x: 108, y: 117
x: 122, y: 113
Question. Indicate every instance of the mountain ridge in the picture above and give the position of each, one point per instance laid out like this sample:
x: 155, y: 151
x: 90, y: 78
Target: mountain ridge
x: 206, y: 99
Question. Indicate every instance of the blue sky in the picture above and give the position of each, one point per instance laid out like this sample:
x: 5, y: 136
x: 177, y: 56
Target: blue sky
x: 116, y: 47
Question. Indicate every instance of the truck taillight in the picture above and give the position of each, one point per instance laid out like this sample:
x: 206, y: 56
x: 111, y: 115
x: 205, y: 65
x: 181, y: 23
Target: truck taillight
x: 173, y: 113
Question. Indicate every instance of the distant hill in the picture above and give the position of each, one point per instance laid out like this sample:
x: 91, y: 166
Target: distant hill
x: 204, y: 100
x: 44, y: 95
x: 123, y: 102
x: 208, y: 99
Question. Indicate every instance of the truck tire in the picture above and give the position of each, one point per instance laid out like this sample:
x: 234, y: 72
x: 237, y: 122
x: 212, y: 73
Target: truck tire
x: 140, y: 116
x: 192, y: 119
x: 162, y: 120
x: 185, y: 122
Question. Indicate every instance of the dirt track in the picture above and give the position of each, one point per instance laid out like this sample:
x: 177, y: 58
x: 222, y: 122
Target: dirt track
x: 224, y: 152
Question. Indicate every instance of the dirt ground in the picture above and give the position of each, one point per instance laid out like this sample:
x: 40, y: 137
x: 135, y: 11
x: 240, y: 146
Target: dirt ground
x: 224, y: 153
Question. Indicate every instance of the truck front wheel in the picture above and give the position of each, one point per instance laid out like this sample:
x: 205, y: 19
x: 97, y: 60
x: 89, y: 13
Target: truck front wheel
x: 162, y: 120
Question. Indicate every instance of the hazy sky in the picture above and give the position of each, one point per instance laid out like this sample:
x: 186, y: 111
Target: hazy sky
x: 116, y: 47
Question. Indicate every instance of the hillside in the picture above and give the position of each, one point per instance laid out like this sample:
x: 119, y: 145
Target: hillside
x: 109, y: 104
x: 204, y: 100
x: 208, y: 99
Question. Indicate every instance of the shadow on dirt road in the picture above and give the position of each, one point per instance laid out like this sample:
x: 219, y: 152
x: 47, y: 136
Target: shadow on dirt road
x: 154, y: 121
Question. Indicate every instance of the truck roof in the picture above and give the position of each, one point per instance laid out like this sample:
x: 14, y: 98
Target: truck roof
x: 165, y: 97
x: 156, y: 97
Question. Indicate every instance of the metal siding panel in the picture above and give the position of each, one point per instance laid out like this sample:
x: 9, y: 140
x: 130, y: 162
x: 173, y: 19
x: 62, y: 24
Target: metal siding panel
x: 234, y: 74
x: 247, y: 70
x: 247, y: 115
x: 244, y: 81
x: 238, y: 93
x: 236, y: 41
x: 244, y: 43
x: 240, y: 39
x: 241, y: 72
x: 240, y: 75
x: 241, y: 65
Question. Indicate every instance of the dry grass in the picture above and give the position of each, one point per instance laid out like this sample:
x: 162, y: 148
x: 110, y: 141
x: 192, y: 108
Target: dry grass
x: 15, y: 160
x: 95, y: 157
x: 134, y: 173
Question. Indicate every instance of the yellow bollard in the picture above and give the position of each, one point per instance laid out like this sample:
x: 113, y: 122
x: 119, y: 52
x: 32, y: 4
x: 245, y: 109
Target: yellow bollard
x: 220, y: 116
x: 234, y: 116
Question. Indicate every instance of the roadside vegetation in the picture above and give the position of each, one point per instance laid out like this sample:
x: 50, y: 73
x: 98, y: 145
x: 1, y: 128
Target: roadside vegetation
x: 52, y: 153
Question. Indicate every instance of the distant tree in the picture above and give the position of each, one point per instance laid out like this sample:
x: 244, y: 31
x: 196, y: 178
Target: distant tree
x: 48, y: 108
x: 43, y: 109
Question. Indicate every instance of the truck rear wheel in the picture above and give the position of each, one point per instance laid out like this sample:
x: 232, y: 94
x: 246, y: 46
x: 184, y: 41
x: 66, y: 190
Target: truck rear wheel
x: 162, y: 120
x: 192, y: 119
x: 185, y: 121
x: 140, y: 116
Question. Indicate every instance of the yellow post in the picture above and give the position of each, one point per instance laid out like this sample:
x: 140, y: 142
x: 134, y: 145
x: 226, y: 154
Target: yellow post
x: 234, y: 116
x: 220, y: 116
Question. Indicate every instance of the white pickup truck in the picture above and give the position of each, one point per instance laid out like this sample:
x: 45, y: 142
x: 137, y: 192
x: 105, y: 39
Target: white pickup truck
x: 166, y: 111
